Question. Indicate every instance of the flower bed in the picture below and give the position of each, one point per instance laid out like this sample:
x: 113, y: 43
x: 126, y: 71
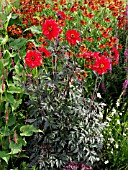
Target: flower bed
x: 64, y: 74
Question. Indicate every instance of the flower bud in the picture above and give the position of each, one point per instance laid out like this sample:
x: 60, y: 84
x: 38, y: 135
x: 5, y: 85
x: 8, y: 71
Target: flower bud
x: 15, y: 137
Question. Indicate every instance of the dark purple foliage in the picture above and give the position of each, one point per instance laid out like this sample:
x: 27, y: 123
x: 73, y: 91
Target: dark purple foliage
x: 77, y: 166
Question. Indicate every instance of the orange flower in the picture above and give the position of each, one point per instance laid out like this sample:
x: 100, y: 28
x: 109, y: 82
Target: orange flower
x: 107, y: 19
x: 114, y: 56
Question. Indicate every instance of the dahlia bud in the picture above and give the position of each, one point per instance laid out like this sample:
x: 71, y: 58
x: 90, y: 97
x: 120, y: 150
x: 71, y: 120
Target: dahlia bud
x: 25, y: 66
x: 13, y: 64
x: 3, y: 86
x: 0, y: 55
x: 7, y: 72
x: 2, y: 77
x: 37, y: 81
x: 16, y: 97
x: 15, y: 137
x: 9, y: 139
x: 6, y: 117
x: 2, y: 9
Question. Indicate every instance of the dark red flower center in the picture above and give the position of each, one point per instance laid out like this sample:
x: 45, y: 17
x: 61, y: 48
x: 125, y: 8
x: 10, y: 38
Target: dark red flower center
x: 72, y: 35
x: 112, y: 53
x: 32, y: 58
x: 43, y: 54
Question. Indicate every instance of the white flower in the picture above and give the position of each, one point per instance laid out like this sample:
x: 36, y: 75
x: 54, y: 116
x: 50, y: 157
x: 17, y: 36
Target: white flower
x: 106, y: 162
x: 99, y: 95
x: 118, y: 122
x: 111, y: 152
x: 124, y: 134
x: 108, y: 119
x: 113, y: 111
x: 120, y: 114
x: 118, y: 103
x: 111, y: 139
x: 103, y: 104
x: 116, y: 145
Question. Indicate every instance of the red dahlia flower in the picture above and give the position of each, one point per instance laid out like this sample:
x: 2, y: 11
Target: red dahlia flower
x: 72, y: 36
x: 101, y: 65
x: 33, y: 59
x: 50, y: 29
x: 45, y: 53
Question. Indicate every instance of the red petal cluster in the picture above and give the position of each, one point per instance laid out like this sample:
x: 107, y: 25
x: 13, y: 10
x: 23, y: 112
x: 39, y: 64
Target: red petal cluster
x: 97, y: 62
x: 45, y: 53
x: 50, y: 29
x: 33, y: 59
x: 72, y: 36
x: 101, y: 65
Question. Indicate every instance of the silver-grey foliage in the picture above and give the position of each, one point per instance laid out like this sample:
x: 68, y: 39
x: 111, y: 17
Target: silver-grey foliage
x: 72, y: 124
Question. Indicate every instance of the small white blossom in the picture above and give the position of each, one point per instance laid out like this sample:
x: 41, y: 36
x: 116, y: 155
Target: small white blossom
x: 106, y: 162
x: 111, y: 139
x: 124, y: 134
x: 120, y: 114
x: 99, y: 95
x: 116, y: 145
x: 108, y: 119
x: 118, y: 103
x: 113, y: 111
x: 118, y: 122
x: 111, y: 152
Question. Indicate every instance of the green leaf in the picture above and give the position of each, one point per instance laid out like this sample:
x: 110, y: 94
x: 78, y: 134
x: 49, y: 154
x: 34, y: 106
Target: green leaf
x: 34, y: 29
x: 4, y: 131
x: 14, y: 16
x: 14, y: 89
x: 4, y: 40
x: 8, y: 19
x: 1, y: 65
x: 18, y: 43
x: 15, y: 147
x: 10, y: 98
x: 11, y: 121
x: 16, y: 104
x: 19, y: 68
x: 27, y: 130
x: 5, y: 156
